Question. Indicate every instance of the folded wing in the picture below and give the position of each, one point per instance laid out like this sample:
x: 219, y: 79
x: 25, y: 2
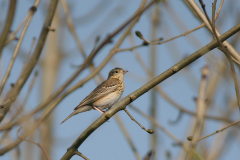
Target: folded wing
x: 101, y: 91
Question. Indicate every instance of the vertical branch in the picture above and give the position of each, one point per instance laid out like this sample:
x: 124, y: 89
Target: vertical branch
x: 50, y: 67
x: 153, y: 100
x: 6, y: 29
x: 201, y: 111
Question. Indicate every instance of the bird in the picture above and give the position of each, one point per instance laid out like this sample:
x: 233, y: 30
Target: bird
x: 105, y: 95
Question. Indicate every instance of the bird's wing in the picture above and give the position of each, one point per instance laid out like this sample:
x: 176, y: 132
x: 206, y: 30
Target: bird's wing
x: 101, y: 91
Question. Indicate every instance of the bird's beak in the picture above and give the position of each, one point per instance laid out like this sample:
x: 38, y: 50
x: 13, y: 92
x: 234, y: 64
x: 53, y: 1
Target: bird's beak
x: 125, y: 72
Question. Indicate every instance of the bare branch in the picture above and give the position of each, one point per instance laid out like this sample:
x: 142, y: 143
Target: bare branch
x: 201, y: 111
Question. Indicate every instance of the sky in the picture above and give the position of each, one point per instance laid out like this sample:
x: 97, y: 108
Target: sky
x: 99, y: 18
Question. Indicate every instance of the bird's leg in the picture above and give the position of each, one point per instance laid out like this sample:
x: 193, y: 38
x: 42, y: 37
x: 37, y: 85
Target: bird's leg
x: 98, y: 110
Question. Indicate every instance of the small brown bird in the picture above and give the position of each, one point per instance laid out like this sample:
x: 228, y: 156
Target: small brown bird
x: 105, y: 95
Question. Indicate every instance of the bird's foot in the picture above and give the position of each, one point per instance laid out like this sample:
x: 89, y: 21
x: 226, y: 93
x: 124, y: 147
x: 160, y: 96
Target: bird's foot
x: 99, y: 110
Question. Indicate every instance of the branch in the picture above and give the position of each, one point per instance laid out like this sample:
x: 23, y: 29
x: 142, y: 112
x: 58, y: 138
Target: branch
x: 132, y: 48
x: 147, y: 130
x: 164, y: 130
x: 201, y: 111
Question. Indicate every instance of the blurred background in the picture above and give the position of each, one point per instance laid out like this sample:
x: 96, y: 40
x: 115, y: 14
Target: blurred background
x: 77, y: 28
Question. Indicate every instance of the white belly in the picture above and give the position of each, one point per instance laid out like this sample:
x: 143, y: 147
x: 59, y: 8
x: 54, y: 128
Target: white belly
x: 107, y: 101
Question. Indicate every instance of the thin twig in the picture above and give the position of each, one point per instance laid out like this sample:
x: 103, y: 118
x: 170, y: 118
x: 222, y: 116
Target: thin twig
x: 184, y: 34
x: 147, y: 130
x: 219, y: 9
x: 81, y: 155
x: 163, y: 129
x: 220, y: 130
x: 38, y: 144
x: 137, y: 46
x: 130, y: 48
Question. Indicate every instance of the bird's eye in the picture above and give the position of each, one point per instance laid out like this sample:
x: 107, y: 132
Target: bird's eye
x: 116, y: 71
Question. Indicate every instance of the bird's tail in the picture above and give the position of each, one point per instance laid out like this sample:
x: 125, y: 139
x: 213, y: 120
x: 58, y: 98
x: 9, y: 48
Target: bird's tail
x: 78, y: 110
x: 72, y: 114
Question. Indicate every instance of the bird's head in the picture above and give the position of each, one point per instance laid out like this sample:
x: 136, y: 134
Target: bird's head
x: 117, y: 73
